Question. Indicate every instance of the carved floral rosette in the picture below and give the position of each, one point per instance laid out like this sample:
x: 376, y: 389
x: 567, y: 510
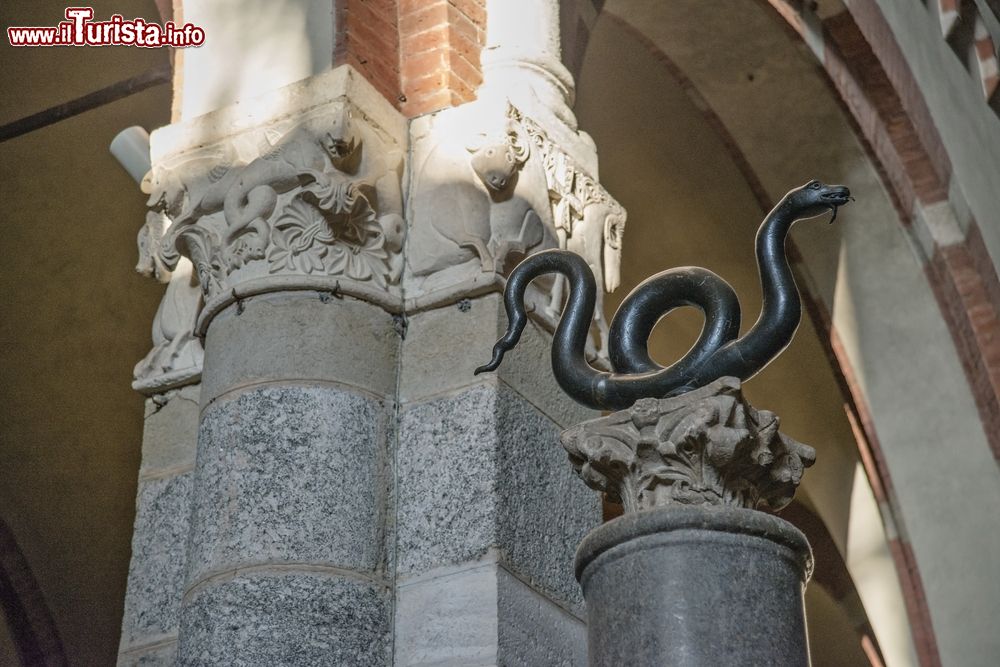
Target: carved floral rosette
x: 706, y: 447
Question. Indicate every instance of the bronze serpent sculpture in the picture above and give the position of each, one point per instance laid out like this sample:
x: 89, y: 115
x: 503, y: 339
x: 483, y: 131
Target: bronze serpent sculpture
x: 718, y: 351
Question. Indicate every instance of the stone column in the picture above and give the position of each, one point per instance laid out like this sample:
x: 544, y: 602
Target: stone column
x: 169, y: 376
x: 159, y: 541
x: 522, y: 60
x: 358, y: 495
x: 288, y: 207
x: 488, y: 514
x: 692, y: 574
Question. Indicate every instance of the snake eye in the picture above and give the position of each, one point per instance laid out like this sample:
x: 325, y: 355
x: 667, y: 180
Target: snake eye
x: 814, y: 185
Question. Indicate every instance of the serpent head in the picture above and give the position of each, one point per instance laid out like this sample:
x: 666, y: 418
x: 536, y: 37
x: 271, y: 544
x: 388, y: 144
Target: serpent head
x: 815, y: 198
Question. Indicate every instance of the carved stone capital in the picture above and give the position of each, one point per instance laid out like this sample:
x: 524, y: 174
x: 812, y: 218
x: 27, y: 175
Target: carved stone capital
x: 491, y: 184
x: 298, y: 190
x: 705, y: 447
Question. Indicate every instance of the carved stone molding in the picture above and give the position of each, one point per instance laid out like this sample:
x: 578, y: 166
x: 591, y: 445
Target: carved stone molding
x: 301, y: 192
x: 705, y: 447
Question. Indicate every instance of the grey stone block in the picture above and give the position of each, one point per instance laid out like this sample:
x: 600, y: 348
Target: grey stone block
x: 297, y: 336
x: 156, y: 573
x: 545, y: 509
x: 484, y: 469
x: 289, y: 475
x: 160, y: 655
x: 533, y: 630
x: 480, y: 614
x: 446, y: 503
x: 286, y: 618
x: 429, y: 368
x: 170, y: 432
x: 447, y: 618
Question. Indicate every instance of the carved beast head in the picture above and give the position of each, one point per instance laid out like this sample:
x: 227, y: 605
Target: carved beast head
x: 148, y: 242
x: 165, y: 189
x: 496, y: 160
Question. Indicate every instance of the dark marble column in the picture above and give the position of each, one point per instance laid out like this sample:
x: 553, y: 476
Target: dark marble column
x: 692, y: 574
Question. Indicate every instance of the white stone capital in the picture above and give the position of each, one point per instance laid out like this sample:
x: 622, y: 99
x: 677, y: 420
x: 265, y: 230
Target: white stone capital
x: 492, y: 182
x: 298, y: 189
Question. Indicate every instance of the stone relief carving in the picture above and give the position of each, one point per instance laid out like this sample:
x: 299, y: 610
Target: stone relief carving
x: 475, y: 199
x: 319, y: 198
x: 176, y: 357
x: 706, y: 447
x: 505, y: 193
x: 586, y: 218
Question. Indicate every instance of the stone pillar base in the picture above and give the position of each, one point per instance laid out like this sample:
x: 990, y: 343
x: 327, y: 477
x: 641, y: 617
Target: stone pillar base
x: 693, y: 586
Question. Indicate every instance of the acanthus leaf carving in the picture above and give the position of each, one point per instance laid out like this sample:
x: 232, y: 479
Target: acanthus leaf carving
x: 706, y: 447
x: 335, y: 231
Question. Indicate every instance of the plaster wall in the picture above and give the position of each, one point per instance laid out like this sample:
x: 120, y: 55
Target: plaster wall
x: 251, y: 47
x: 75, y: 320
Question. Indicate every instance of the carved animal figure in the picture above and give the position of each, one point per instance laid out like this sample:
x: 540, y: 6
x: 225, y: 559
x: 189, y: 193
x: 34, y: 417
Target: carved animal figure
x: 500, y: 207
x: 516, y: 222
x: 497, y: 163
x: 193, y: 186
x: 175, y: 347
x: 450, y: 214
x: 248, y: 193
x: 596, y: 237
x: 298, y: 158
x: 717, y: 353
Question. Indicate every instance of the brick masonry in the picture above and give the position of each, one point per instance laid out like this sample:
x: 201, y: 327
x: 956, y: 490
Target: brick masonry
x: 440, y: 43
x: 368, y: 39
x: 422, y: 55
x: 869, y: 94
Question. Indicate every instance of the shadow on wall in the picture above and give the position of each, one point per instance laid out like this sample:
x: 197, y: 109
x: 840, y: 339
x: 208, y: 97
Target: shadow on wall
x: 28, y: 635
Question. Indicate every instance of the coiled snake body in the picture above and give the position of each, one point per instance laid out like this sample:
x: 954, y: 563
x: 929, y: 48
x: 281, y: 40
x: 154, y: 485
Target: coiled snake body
x: 717, y: 353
